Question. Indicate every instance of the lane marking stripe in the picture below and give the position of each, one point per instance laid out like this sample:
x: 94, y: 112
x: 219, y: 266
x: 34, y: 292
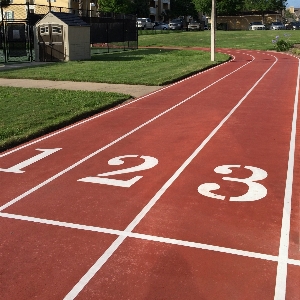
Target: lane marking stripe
x: 280, y: 288
x: 149, y: 238
x: 114, y: 246
x: 13, y: 201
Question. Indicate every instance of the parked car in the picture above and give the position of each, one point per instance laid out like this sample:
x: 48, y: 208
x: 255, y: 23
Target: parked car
x: 144, y: 23
x: 176, y: 24
x: 277, y: 26
x: 194, y: 25
x: 292, y: 26
x: 160, y: 26
x: 257, y: 26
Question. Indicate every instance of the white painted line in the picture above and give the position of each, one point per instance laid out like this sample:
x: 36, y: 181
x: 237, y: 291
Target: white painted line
x: 62, y: 224
x: 294, y: 262
x: 101, y: 261
x: 124, y: 234
x: 280, y: 288
x: 104, y: 113
x: 13, y: 201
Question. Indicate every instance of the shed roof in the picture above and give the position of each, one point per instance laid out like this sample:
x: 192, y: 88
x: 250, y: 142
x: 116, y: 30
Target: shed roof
x: 69, y: 19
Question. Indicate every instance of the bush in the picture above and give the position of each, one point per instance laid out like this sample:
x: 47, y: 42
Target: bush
x: 281, y: 44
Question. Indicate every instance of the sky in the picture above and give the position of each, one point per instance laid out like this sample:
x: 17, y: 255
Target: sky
x: 295, y: 3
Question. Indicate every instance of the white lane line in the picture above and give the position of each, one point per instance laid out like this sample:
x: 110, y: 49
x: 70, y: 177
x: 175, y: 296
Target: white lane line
x: 13, y: 201
x: 108, y: 111
x: 124, y: 234
x: 294, y: 262
x: 280, y: 288
x: 102, y: 260
x: 148, y: 237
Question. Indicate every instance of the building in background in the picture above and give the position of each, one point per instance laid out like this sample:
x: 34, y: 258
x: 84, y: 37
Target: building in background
x: 158, y: 9
x: 294, y: 11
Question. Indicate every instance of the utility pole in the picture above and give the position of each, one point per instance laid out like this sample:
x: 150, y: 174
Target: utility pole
x: 213, y: 30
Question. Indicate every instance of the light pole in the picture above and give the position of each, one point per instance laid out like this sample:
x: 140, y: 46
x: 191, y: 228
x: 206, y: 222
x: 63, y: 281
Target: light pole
x: 212, y: 30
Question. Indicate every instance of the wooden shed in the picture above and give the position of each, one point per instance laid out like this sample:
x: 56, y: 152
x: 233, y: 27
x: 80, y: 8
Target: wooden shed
x: 62, y: 37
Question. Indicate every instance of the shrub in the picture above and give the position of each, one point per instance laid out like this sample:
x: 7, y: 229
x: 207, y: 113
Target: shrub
x: 281, y: 44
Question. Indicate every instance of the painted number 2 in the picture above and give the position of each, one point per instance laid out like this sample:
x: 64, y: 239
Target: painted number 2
x: 149, y: 162
x: 255, y: 192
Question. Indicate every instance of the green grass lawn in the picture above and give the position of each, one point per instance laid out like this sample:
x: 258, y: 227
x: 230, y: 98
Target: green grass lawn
x: 142, y: 66
x: 29, y: 113
x: 254, y: 39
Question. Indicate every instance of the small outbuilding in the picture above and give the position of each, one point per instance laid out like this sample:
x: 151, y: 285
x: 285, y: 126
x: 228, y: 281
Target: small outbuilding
x: 62, y: 37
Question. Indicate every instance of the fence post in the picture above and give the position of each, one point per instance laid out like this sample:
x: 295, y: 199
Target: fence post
x: 29, y: 37
x: 4, y: 35
x: 107, y: 36
x: 124, y: 33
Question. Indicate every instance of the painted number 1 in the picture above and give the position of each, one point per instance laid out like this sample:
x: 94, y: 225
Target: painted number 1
x: 18, y: 168
x: 149, y: 162
x: 255, y: 191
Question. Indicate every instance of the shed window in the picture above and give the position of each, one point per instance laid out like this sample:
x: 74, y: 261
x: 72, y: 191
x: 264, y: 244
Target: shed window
x: 56, y: 29
x: 44, y: 30
x: 9, y: 15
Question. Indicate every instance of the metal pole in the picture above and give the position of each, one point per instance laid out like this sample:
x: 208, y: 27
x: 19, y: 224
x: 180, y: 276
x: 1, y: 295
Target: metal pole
x: 212, y: 30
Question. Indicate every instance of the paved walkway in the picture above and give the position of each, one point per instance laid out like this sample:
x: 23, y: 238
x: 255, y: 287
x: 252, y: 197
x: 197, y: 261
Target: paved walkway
x: 133, y: 90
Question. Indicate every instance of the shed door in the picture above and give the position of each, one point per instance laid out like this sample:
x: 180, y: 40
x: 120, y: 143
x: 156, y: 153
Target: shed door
x: 51, y: 43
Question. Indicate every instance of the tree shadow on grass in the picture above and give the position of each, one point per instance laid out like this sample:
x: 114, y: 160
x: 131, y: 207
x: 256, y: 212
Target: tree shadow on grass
x: 129, y: 55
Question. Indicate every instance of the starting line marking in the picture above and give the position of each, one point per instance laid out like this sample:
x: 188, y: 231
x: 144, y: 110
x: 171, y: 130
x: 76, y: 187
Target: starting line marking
x: 124, y: 234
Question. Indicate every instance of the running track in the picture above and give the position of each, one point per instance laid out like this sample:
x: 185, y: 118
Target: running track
x: 191, y: 192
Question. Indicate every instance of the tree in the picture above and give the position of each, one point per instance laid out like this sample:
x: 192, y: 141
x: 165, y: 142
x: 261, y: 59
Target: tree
x: 203, y: 5
x: 223, y: 7
x: 183, y: 8
x: 228, y: 7
x: 263, y: 6
x: 140, y: 8
x: 115, y: 6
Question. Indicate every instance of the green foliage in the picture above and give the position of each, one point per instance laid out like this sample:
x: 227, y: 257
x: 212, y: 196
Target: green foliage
x: 183, y: 8
x: 233, y: 6
x: 203, y: 6
x: 115, y: 6
x: 264, y: 5
x: 296, y: 51
x: 140, y: 8
x: 282, y: 44
x: 229, y: 7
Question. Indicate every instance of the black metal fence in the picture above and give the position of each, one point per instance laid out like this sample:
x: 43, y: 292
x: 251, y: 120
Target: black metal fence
x: 113, y: 32
x: 107, y: 31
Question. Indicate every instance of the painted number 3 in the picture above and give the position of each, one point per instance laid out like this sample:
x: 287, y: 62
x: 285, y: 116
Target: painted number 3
x: 255, y: 192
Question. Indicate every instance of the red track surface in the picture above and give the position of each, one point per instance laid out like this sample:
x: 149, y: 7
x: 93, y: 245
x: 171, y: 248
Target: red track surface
x: 214, y: 213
